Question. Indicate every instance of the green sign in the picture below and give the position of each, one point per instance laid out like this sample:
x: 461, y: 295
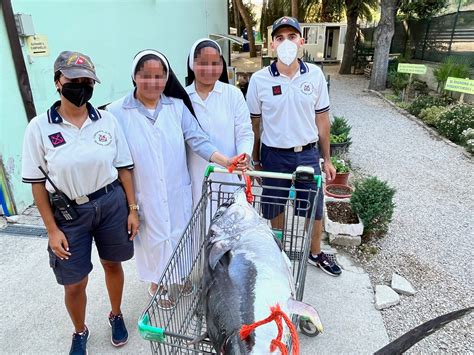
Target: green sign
x: 460, y: 85
x: 411, y: 68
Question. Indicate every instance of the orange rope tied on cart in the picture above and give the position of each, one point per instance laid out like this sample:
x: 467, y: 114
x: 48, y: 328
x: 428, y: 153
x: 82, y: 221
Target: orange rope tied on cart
x: 248, y: 182
x: 277, y: 315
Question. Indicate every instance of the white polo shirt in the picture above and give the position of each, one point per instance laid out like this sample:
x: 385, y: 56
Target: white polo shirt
x: 78, y: 160
x: 288, y: 107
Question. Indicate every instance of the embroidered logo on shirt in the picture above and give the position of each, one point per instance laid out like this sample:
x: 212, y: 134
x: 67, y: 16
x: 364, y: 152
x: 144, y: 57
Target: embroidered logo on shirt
x: 57, y: 139
x: 276, y: 90
x: 306, y: 88
x: 102, y: 138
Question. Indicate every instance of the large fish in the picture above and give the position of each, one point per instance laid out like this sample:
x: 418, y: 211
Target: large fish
x: 246, y: 273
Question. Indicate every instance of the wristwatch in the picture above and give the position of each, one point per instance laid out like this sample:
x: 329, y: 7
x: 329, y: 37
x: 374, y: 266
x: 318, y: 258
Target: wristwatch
x: 255, y: 162
x: 133, y: 207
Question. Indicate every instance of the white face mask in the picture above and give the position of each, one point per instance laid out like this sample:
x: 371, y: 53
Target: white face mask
x: 287, y: 51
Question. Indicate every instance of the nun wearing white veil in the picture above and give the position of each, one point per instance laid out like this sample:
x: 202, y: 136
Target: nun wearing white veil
x: 220, y: 109
x: 157, y: 119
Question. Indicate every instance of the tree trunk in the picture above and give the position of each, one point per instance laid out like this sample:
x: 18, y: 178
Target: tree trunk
x: 348, y: 54
x: 248, y: 24
x: 383, y: 39
x: 294, y: 9
x: 325, y: 11
x: 236, y: 18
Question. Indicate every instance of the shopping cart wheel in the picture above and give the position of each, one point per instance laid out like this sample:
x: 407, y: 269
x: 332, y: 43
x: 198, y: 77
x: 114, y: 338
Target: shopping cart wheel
x: 308, y: 328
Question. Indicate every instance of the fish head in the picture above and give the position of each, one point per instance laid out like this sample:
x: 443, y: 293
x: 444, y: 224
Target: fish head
x: 233, y: 217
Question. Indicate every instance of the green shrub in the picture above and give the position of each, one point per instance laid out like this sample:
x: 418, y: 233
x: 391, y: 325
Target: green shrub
x: 422, y: 102
x: 403, y: 105
x: 398, y: 81
x: 453, y: 122
x: 468, y: 139
x: 339, y: 126
x: 430, y: 115
x: 340, y: 129
x: 419, y: 87
x: 372, y: 200
x: 340, y: 165
x: 454, y: 66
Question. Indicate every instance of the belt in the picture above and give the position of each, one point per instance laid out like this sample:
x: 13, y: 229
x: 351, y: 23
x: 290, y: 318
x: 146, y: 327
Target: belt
x: 296, y: 149
x: 96, y: 194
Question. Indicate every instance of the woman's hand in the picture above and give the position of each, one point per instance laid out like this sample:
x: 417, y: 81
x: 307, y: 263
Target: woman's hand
x: 58, y: 244
x: 132, y: 224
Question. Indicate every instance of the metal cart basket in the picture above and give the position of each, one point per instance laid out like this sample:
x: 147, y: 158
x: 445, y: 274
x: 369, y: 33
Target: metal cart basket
x: 176, y: 331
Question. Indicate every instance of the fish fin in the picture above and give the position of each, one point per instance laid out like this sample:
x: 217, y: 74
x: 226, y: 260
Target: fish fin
x: 306, y: 310
x: 218, y: 250
x: 198, y: 339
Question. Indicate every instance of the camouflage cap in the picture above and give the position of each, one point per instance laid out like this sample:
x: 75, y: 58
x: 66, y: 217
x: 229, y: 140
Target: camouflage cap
x: 286, y: 21
x: 75, y: 65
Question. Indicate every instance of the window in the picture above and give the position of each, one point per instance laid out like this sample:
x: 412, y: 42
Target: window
x: 310, y: 34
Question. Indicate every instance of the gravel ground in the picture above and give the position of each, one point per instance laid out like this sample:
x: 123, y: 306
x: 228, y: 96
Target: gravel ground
x: 430, y: 240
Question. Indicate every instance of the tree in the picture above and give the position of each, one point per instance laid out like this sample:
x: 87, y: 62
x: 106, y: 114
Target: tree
x: 386, y: 28
x: 294, y: 9
x: 354, y: 10
x: 383, y: 39
x: 245, y: 14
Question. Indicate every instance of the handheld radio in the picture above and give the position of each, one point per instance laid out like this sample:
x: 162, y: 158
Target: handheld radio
x: 61, y: 201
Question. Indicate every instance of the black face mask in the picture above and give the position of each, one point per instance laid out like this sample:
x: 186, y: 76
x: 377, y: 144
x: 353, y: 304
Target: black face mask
x: 77, y: 93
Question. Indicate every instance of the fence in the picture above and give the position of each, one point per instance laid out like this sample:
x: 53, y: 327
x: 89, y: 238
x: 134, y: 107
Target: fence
x: 432, y: 39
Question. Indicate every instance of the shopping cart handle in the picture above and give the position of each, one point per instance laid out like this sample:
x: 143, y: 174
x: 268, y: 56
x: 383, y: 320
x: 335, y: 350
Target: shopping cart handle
x: 257, y: 173
x: 149, y: 332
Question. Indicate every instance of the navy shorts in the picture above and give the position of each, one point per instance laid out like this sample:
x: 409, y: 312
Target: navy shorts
x: 275, y: 191
x: 105, y: 221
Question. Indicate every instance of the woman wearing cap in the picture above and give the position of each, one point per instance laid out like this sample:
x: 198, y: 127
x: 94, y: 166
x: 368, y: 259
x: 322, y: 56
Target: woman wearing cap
x: 157, y: 119
x: 84, y: 153
x: 220, y: 109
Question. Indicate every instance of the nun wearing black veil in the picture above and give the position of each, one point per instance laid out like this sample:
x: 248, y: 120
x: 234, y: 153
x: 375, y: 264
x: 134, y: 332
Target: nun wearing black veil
x: 220, y: 109
x: 158, y: 121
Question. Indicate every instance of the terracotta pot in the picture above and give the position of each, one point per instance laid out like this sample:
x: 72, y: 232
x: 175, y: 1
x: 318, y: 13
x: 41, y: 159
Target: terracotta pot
x: 338, y: 191
x: 340, y: 179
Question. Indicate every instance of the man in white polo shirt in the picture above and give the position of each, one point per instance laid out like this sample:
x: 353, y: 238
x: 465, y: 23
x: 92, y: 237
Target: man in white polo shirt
x: 290, y: 100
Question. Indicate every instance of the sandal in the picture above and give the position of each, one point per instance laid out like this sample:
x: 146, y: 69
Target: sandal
x: 166, y: 303
x: 186, y: 289
x: 161, y: 290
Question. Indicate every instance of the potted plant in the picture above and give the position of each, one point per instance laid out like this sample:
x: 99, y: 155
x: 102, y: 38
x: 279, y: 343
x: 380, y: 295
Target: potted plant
x: 339, y: 136
x: 342, y: 171
x: 338, y: 191
x: 341, y: 223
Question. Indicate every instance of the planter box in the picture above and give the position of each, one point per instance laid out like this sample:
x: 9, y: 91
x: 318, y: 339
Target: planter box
x: 339, y: 233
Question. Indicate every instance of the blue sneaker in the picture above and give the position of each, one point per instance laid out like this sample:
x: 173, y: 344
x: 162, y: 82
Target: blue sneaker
x: 325, y: 263
x: 119, y: 331
x: 79, y: 343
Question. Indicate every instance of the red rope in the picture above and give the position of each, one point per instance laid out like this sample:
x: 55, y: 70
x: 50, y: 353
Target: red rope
x: 276, y: 315
x: 248, y: 182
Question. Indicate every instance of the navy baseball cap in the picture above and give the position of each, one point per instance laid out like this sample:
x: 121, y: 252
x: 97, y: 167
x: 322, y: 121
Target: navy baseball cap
x: 286, y: 21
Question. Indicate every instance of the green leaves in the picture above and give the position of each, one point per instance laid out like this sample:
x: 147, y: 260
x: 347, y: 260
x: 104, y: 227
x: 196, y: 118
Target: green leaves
x: 372, y: 200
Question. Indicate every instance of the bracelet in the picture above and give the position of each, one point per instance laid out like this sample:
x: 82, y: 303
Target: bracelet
x: 256, y: 162
x: 133, y: 207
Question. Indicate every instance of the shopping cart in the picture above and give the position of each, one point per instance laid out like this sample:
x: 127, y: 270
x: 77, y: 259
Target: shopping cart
x: 179, y: 330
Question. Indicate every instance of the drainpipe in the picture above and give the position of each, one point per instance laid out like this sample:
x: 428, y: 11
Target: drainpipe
x: 18, y: 60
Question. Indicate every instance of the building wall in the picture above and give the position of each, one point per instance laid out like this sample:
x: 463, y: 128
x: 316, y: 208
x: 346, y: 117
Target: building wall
x: 111, y: 32
x: 12, y: 125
